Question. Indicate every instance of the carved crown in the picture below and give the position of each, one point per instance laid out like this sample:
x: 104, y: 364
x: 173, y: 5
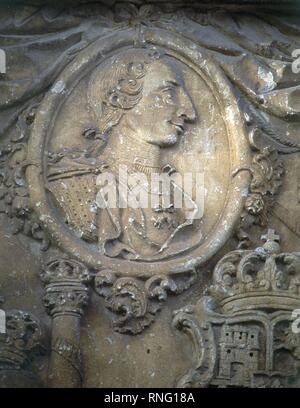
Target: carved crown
x: 64, y: 271
x: 262, y: 279
x: 20, y: 341
x: 66, y: 290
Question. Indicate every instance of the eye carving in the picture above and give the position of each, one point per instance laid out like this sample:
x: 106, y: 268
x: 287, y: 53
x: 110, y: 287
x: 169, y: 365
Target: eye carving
x: 168, y: 95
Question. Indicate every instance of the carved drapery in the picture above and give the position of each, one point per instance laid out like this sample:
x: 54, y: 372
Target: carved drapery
x: 245, y: 60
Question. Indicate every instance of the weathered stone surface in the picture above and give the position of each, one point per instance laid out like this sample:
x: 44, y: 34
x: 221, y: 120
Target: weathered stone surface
x: 207, y: 89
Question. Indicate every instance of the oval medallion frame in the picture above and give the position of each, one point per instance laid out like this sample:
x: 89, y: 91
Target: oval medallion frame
x: 186, y: 51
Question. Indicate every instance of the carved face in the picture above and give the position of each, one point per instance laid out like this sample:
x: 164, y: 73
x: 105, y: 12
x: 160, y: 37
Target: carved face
x: 161, y: 115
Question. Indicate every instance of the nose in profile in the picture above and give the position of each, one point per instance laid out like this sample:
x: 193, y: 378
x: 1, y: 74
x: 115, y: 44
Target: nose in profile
x: 186, y: 108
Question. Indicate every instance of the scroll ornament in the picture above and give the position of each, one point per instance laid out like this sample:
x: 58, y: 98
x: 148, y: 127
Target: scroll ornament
x: 241, y: 329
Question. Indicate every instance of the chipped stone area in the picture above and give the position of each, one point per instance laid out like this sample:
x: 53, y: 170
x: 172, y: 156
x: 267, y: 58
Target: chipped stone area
x: 96, y: 100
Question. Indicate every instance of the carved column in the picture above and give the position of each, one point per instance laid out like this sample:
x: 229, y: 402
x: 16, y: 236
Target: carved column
x: 66, y: 295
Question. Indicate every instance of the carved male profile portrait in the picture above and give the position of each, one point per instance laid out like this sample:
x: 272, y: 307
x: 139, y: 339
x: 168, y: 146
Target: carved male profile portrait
x: 149, y: 156
x: 152, y: 110
x: 141, y: 108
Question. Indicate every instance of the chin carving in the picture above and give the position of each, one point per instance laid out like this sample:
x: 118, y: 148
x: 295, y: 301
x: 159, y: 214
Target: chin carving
x: 105, y: 90
x: 116, y: 100
x: 137, y: 301
x: 157, y: 89
x: 241, y: 329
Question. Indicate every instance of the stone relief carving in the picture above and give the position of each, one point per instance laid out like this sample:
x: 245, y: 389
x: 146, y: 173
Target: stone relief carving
x: 151, y: 84
x: 159, y: 88
x: 143, y: 89
x: 65, y: 297
x: 21, y: 342
x: 136, y: 302
x: 14, y: 197
x: 266, y: 171
x: 241, y: 328
x: 127, y: 101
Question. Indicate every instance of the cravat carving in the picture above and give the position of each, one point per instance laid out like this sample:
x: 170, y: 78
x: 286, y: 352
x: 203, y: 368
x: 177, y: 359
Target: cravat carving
x: 157, y: 88
x: 112, y: 236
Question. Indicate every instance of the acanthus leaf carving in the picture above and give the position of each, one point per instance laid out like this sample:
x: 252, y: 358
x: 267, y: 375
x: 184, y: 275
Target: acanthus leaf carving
x: 14, y: 196
x: 136, y: 301
x: 131, y: 15
x: 267, y: 172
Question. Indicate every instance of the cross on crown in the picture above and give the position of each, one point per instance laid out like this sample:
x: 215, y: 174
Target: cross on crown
x: 271, y: 240
x: 270, y: 236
